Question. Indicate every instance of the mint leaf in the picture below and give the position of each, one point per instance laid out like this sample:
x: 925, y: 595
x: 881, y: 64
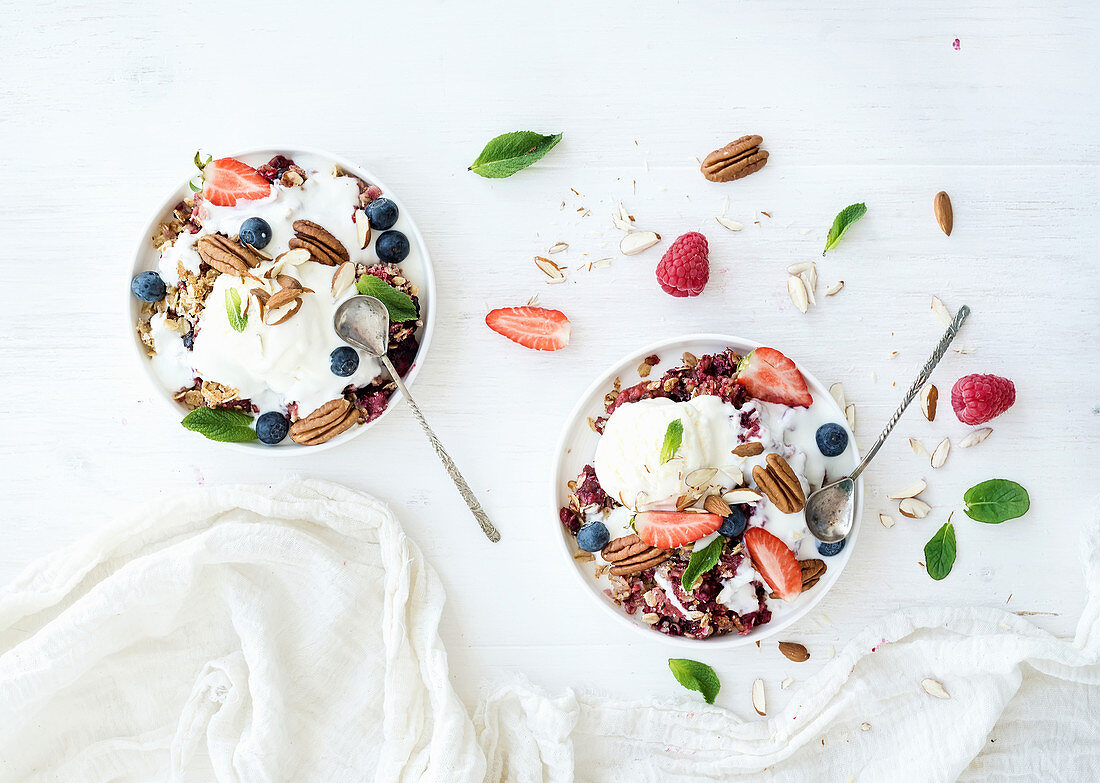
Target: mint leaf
x: 696, y: 676
x: 701, y: 561
x: 221, y: 424
x: 510, y: 152
x: 939, y: 552
x: 842, y: 223
x: 233, y: 310
x: 398, y: 303
x: 199, y: 162
x: 674, y: 436
x: 996, y: 500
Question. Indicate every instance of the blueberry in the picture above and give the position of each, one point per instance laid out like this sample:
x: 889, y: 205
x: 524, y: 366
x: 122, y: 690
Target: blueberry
x: 148, y: 287
x: 593, y: 537
x: 382, y: 214
x: 255, y: 232
x: 344, y: 361
x: 832, y: 439
x: 392, y: 247
x: 734, y: 525
x: 831, y: 548
x: 272, y: 427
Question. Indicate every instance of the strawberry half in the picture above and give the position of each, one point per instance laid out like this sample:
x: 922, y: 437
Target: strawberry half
x: 532, y: 327
x: 774, y: 561
x: 670, y: 529
x: 770, y: 376
x: 227, y: 179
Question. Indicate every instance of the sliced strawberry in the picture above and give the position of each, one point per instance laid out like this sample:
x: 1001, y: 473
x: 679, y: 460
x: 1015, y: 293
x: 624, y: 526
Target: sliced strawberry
x: 227, y: 179
x: 774, y: 561
x: 670, y: 529
x: 770, y: 376
x: 531, y: 327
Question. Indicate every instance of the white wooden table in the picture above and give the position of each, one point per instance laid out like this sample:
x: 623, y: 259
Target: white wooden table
x: 105, y: 103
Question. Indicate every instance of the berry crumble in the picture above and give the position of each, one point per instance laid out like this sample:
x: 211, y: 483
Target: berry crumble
x: 690, y: 508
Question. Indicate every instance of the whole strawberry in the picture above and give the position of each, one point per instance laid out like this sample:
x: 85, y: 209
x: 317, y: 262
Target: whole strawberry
x: 978, y: 398
x: 684, y: 268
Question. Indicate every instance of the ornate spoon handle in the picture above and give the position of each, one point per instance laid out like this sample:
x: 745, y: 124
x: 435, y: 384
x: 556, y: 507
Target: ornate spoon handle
x: 452, y: 470
x: 925, y: 372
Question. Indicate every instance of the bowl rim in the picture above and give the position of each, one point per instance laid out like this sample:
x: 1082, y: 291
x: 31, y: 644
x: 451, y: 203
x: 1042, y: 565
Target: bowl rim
x: 591, y: 586
x: 427, y: 298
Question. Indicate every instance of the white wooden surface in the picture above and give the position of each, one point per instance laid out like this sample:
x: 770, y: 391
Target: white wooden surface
x: 105, y: 103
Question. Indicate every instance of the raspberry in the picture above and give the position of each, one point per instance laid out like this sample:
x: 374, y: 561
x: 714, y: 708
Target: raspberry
x: 978, y: 398
x: 684, y: 269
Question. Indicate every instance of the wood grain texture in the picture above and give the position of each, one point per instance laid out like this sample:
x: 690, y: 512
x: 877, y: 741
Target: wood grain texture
x: 859, y: 102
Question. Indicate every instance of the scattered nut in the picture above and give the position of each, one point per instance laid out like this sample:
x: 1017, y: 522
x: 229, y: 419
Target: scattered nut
x: 796, y: 287
x: 550, y: 269
x: 834, y: 289
x: 939, y: 456
x: 758, y: 697
x: 929, y: 396
x: 737, y: 159
x: 934, y: 688
x: 744, y: 495
x: 975, y: 437
x: 787, y: 683
x: 837, y: 392
x: 342, y: 278
x: 362, y: 229
x: 914, y: 508
x: 637, y: 241
x: 557, y: 248
x: 886, y: 520
x: 799, y: 268
x: 939, y: 309
x: 794, y: 651
x: 941, y: 207
x: 911, y: 491
x: 919, y: 449
x: 850, y: 415
x: 732, y: 225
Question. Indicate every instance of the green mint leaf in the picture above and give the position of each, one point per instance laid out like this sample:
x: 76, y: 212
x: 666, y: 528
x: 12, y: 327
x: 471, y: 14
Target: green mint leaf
x: 398, y: 303
x: 510, y: 152
x: 674, y: 436
x: 939, y: 552
x: 996, y: 500
x: 842, y: 223
x: 199, y: 162
x: 233, y: 310
x: 221, y: 424
x: 194, y: 188
x: 695, y: 676
x: 701, y: 561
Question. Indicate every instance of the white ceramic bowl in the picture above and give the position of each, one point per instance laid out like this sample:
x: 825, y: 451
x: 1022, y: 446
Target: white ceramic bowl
x: 577, y: 445
x: 417, y: 268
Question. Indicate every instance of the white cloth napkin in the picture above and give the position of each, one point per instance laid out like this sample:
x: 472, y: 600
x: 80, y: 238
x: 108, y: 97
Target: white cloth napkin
x: 290, y: 634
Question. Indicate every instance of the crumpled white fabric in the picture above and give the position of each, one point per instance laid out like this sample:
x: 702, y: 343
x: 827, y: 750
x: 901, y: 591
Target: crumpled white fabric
x: 243, y: 634
x: 289, y: 633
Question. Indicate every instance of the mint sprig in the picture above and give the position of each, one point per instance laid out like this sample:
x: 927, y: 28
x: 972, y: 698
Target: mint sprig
x: 233, y: 310
x: 939, y: 552
x: 220, y: 424
x: 701, y: 561
x: 399, y: 304
x: 842, y: 223
x: 512, y: 152
x: 996, y: 500
x: 674, y: 436
x: 696, y: 676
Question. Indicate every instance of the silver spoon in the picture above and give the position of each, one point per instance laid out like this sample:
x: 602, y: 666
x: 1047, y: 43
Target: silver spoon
x: 364, y: 321
x: 829, y: 511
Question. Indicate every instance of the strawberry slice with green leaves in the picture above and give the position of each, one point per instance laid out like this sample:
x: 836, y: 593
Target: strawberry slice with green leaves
x: 226, y: 180
x: 671, y: 529
x: 770, y: 376
x: 775, y: 562
x: 532, y: 327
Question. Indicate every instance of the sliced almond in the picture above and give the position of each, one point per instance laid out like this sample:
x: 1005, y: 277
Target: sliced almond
x: 734, y: 473
x: 975, y: 437
x: 799, y: 295
x: 274, y: 317
x: 750, y: 449
x: 934, y: 688
x: 929, y: 396
x: 837, y: 391
x: 886, y: 520
x: 799, y: 268
x: 732, y: 225
x: 550, y: 269
x: 715, y: 505
x: 850, y: 415
x: 834, y: 289
x: 557, y: 248
x: 911, y: 491
x: 362, y: 229
x: 689, y: 499
x: 939, y: 456
x: 865, y: 726
x: 914, y: 508
x: 637, y: 241
x: 919, y: 449
x: 787, y: 683
x: 700, y: 477
x: 940, y: 310
x: 342, y: 278
x: 758, y: 697
x: 809, y: 277
x: 743, y: 495
x: 282, y: 298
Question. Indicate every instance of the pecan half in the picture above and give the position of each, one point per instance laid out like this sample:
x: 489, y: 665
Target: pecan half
x: 735, y: 160
x: 780, y: 484
x: 227, y: 256
x: 631, y: 555
x: 323, y: 247
x: 812, y: 571
x: 325, y: 423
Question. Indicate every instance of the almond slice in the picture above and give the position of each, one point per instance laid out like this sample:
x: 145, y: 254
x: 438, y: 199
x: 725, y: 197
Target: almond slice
x: 850, y: 415
x: 837, y: 392
x: 939, y: 309
x: 758, y: 697
x: 290, y: 310
x: 558, y: 247
x: 734, y: 473
x: 787, y: 683
x: 637, y: 241
x: 975, y: 437
x: 799, y: 268
x: 929, y: 396
x: 919, y: 449
x: 797, y: 289
x: 700, y: 477
x: 934, y: 688
x: 809, y: 277
x: 744, y: 495
x: 914, y: 508
x: 911, y: 491
x: 834, y: 289
x: 362, y: 229
x: 732, y: 225
x: 886, y: 520
x: 939, y: 456
x: 342, y: 278
x: 550, y: 269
